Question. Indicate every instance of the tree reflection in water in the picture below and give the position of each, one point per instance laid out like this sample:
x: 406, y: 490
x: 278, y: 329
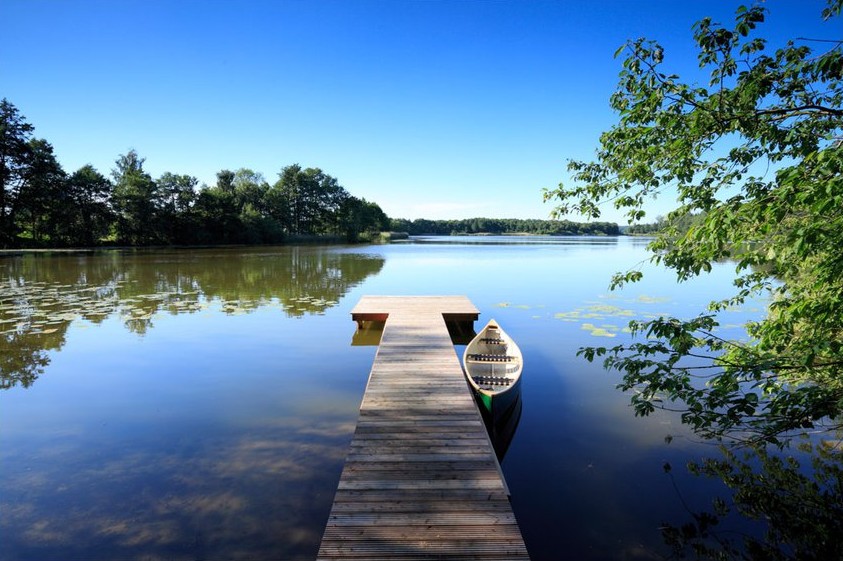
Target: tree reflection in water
x: 42, y: 294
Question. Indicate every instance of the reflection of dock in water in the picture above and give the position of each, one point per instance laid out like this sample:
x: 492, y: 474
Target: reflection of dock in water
x: 421, y: 479
x: 369, y: 333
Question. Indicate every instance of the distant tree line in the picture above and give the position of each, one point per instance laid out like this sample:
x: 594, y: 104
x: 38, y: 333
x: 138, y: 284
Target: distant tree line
x: 503, y: 226
x: 42, y: 205
x: 681, y: 223
x: 646, y: 229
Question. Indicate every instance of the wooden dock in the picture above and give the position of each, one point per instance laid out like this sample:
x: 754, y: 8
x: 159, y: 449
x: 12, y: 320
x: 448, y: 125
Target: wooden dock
x: 421, y: 480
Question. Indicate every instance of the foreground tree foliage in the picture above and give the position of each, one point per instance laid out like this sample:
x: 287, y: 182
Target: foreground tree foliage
x: 783, y: 231
x: 41, y: 206
x: 757, y: 154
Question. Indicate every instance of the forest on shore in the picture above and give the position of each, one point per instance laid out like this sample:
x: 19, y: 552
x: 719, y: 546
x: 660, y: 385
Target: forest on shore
x: 44, y: 206
x: 535, y: 226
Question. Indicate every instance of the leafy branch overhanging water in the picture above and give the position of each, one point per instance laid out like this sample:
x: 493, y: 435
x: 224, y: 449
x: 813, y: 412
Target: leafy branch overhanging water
x: 757, y: 151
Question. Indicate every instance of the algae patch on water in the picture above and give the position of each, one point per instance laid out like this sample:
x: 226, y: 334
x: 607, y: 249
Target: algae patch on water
x: 600, y: 331
x: 644, y: 299
x: 595, y: 311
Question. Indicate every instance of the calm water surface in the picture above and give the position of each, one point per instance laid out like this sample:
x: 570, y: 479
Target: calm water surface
x: 198, y: 404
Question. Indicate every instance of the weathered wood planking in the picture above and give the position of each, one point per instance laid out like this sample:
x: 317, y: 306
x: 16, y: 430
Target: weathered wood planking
x: 421, y: 480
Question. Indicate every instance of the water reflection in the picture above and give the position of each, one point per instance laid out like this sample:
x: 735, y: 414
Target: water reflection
x: 368, y: 334
x: 41, y: 295
x: 221, y: 432
x: 224, y: 497
x: 502, y: 427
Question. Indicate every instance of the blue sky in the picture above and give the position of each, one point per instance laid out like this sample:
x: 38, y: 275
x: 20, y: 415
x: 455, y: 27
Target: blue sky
x: 434, y: 109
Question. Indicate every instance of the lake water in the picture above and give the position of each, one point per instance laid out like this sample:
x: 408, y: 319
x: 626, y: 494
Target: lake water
x: 198, y: 404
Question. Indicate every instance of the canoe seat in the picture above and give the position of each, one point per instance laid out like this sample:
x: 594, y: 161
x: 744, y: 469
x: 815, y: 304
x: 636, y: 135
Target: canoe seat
x: 490, y: 358
x: 492, y: 341
x: 493, y: 380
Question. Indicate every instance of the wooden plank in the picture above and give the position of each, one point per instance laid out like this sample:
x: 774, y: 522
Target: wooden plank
x: 386, y: 506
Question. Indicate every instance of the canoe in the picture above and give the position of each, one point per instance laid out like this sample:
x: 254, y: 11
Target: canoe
x: 492, y: 364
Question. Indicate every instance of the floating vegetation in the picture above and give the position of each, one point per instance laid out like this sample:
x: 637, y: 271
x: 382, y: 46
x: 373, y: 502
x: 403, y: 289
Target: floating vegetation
x: 519, y: 306
x: 609, y: 310
x: 595, y: 311
x: 585, y: 315
x: 568, y: 316
x: 644, y: 299
x: 600, y: 331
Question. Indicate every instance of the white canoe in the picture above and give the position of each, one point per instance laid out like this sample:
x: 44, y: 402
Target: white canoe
x: 493, y: 363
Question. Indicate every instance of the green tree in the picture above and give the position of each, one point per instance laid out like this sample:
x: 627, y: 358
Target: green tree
x: 15, y: 134
x: 88, y: 215
x: 400, y: 225
x: 357, y: 216
x: 312, y: 200
x: 176, y: 196
x: 251, y: 198
x: 177, y: 193
x: 136, y: 201
x: 249, y: 189
x: 276, y: 206
x: 376, y: 219
x: 42, y: 197
x: 216, y: 211
x: 225, y: 181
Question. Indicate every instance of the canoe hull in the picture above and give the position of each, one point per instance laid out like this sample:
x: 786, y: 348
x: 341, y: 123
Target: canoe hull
x: 499, y: 403
x: 492, y: 364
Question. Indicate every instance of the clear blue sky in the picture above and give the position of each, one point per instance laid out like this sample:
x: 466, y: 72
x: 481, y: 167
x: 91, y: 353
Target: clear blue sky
x: 434, y: 109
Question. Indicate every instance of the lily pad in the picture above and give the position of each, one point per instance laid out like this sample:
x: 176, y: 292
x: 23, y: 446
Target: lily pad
x: 597, y: 331
x: 644, y: 299
x: 568, y: 316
